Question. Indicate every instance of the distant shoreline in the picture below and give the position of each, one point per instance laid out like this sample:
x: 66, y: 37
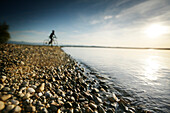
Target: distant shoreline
x: 115, y: 47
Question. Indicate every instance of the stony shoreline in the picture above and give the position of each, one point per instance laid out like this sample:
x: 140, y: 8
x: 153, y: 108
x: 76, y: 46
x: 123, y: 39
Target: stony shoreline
x: 45, y: 79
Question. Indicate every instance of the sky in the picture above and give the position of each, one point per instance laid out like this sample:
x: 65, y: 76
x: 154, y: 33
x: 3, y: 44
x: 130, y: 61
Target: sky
x: 130, y: 23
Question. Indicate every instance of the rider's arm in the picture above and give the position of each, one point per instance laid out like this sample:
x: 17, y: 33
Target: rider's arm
x: 55, y: 36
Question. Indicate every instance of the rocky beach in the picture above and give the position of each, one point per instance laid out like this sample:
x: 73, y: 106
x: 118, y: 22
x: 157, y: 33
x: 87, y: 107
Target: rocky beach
x: 46, y: 79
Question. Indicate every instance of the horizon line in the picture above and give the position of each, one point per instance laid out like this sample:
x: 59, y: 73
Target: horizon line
x: 90, y: 46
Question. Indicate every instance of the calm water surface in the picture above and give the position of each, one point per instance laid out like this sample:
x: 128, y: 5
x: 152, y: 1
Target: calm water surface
x: 142, y: 76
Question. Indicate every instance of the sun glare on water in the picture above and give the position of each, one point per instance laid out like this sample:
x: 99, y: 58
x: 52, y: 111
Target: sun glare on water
x: 156, y: 30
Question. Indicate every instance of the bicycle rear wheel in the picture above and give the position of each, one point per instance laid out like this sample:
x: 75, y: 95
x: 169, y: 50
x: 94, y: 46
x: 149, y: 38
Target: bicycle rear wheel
x: 46, y: 42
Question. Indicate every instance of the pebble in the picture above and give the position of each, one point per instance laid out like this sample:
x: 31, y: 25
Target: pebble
x: 88, y: 110
x: 1, y: 86
x: 114, y: 105
x: 93, y: 106
x: 9, y: 108
x: 15, y: 102
x: 82, y: 99
x: 34, y: 87
x: 40, y: 94
x: 24, y: 83
x: 2, y: 105
x: 17, y: 109
x: 41, y: 87
x: 97, y: 100
x: 28, y: 95
x: 30, y: 90
x: 60, y: 102
x: 5, y: 97
x: 59, y: 111
x: 49, y: 85
x: 6, y: 89
x: 48, y: 94
x: 95, y: 90
x: 113, y: 98
x: 44, y: 110
x: 101, y: 109
x: 110, y: 110
x: 3, y: 78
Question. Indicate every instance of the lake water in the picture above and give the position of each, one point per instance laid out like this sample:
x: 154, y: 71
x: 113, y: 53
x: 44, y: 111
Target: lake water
x: 142, y: 76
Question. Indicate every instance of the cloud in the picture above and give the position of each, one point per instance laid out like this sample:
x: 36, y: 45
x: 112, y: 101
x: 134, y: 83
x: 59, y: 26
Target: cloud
x: 100, y: 20
x: 145, y: 10
x: 75, y: 31
x: 108, y: 17
x: 94, y: 22
x: 122, y: 2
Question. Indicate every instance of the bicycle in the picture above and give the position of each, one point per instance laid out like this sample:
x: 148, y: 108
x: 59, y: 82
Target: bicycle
x: 54, y: 42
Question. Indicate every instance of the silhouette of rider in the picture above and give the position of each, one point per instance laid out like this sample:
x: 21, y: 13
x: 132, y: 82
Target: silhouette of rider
x: 52, y: 35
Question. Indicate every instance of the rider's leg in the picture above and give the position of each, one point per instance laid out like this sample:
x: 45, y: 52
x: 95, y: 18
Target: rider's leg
x: 50, y: 42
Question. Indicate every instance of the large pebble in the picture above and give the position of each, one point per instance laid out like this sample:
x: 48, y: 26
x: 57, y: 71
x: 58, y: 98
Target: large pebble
x: 5, y: 97
x: 48, y: 94
x: 59, y: 111
x: 30, y: 90
x: 34, y: 86
x: 1, y: 86
x: 113, y: 98
x: 15, y: 102
x: 9, y: 108
x: 97, y: 100
x: 2, y: 105
x: 93, y: 106
x: 17, y: 109
x: 60, y: 102
x: 95, y: 90
x: 41, y: 87
x: 3, y: 78
x: 6, y: 89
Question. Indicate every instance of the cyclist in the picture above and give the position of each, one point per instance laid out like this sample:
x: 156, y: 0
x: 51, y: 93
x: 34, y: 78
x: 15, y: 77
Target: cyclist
x: 52, y: 35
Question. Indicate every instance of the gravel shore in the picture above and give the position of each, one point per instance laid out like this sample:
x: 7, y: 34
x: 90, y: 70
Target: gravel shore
x: 45, y: 79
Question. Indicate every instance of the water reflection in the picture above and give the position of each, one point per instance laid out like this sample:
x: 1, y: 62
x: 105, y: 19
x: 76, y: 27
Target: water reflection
x: 151, y: 68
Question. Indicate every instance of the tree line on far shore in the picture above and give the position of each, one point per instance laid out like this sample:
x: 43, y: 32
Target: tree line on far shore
x: 4, y: 34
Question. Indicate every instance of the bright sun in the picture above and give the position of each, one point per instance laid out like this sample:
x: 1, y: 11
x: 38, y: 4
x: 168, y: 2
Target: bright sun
x: 156, y: 30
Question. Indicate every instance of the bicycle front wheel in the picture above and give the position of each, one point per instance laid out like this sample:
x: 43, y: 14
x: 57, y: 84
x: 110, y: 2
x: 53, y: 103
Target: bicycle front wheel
x: 55, y: 43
